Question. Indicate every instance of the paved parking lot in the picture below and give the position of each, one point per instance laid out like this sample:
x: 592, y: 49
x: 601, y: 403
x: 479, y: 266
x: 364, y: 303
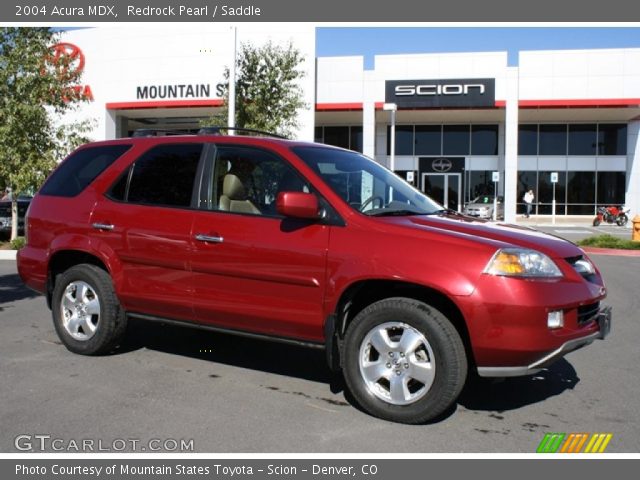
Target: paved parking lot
x: 237, y: 395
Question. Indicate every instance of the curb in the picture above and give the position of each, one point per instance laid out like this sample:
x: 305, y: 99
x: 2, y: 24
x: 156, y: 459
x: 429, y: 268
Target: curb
x: 611, y: 251
x: 8, y: 254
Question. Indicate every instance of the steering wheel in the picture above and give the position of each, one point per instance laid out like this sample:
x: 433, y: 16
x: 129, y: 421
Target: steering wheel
x: 371, y: 199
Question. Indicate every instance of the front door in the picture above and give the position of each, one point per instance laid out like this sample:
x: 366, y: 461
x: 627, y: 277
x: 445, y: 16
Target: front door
x: 444, y: 188
x: 254, y: 270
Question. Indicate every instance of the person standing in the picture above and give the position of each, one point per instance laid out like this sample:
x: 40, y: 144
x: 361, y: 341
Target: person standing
x: 528, y: 202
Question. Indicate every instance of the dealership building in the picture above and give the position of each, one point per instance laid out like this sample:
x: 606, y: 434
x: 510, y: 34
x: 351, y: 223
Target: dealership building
x: 564, y: 123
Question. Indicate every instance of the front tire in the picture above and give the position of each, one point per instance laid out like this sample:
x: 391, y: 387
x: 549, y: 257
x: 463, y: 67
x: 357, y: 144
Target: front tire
x: 86, y: 312
x: 622, y: 220
x: 404, y: 361
x: 596, y: 222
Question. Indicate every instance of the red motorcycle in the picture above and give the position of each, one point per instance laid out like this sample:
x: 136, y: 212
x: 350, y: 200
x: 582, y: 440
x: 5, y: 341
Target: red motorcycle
x: 612, y: 214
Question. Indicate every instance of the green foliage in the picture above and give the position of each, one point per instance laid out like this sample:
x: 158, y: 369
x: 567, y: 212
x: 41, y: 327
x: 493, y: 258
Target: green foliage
x: 609, y: 241
x: 36, y: 89
x: 17, y: 243
x: 268, y: 94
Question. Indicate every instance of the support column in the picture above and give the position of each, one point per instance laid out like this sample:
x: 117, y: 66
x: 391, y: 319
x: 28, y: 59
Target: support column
x: 632, y: 194
x: 368, y: 116
x: 511, y: 146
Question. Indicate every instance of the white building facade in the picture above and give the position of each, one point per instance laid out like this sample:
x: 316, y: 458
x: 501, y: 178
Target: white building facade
x: 565, y: 124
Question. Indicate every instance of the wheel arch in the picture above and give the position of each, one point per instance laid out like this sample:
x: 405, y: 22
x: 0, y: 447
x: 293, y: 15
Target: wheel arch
x: 365, y: 292
x: 62, y: 260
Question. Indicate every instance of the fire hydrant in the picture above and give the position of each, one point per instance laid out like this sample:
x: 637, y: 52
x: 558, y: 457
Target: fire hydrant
x: 635, y: 231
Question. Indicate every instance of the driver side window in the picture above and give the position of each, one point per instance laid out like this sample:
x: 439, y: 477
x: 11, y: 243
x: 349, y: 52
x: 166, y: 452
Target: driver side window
x: 247, y: 180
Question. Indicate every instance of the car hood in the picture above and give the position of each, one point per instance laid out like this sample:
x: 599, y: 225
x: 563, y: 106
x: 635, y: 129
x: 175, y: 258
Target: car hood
x: 479, y: 205
x: 487, y: 232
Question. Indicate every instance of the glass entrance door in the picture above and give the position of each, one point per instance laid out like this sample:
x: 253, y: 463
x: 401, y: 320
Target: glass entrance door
x: 444, y: 188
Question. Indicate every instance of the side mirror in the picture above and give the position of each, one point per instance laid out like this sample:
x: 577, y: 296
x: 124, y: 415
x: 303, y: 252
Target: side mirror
x: 298, y: 205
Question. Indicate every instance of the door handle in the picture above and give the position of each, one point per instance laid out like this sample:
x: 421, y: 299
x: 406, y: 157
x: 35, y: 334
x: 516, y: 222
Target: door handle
x: 103, y: 226
x: 201, y: 237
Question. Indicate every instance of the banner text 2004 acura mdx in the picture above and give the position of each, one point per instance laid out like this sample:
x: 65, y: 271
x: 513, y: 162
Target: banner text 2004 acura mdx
x: 310, y: 244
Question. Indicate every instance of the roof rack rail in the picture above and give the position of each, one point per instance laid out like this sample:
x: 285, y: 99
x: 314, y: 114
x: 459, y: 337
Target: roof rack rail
x: 215, y: 130
x: 155, y: 132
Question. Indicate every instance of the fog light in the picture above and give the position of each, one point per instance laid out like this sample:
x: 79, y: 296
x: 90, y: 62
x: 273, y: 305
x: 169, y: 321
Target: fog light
x: 555, y: 319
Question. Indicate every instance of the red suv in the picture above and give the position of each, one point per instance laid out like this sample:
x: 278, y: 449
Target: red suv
x: 308, y: 244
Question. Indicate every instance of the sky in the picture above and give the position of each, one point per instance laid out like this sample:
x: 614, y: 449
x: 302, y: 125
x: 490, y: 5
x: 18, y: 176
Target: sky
x: 370, y: 41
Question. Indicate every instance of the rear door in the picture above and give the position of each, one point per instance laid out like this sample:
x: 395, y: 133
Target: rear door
x: 145, y: 220
x: 253, y: 269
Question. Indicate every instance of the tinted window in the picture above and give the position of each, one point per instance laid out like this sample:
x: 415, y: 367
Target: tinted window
x: 528, y: 140
x: 80, y: 169
x: 165, y: 175
x: 553, y: 139
x: 428, y: 140
x: 581, y: 187
x: 455, y: 140
x: 404, y: 140
x: 484, y: 140
x: 337, y: 136
x: 356, y: 139
x: 582, y: 139
x: 611, y: 188
x: 612, y: 139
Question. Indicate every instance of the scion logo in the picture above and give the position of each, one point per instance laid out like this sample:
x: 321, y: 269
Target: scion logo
x: 451, y: 89
x: 458, y: 92
x: 441, y: 165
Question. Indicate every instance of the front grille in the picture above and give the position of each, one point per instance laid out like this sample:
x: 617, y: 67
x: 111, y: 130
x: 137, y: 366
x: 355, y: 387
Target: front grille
x: 586, y: 313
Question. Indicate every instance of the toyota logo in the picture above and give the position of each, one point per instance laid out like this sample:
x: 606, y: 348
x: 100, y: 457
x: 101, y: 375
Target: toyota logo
x: 441, y: 165
x: 67, y: 59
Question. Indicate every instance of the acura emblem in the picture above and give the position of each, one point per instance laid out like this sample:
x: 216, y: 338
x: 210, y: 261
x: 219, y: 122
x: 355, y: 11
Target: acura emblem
x: 441, y: 165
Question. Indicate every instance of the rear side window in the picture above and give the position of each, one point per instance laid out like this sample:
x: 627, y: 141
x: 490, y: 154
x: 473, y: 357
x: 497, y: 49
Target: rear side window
x: 80, y: 169
x: 165, y: 175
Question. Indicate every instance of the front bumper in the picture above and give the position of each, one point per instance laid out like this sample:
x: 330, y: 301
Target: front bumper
x: 603, y: 320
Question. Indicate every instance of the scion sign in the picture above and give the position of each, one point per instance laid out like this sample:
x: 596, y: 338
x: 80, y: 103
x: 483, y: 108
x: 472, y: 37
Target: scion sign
x: 476, y: 92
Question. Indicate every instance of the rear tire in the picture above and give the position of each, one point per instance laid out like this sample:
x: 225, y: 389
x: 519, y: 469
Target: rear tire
x: 596, y: 222
x: 86, y: 312
x: 404, y: 361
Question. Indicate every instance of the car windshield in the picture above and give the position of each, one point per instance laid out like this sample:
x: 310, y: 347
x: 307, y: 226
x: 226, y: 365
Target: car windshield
x: 365, y: 185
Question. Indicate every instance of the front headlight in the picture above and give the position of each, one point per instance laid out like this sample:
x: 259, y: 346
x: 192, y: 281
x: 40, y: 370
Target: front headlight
x: 522, y: 262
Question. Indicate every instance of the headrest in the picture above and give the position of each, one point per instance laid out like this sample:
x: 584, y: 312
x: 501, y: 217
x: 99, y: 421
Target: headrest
x: 233, y: 187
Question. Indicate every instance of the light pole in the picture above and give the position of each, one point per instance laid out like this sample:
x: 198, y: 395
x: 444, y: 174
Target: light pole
x: 393, y: 108
x: 231, y: 120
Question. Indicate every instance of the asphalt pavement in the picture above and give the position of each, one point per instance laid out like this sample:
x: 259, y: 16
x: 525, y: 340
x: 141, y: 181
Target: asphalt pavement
x: 230, y: 394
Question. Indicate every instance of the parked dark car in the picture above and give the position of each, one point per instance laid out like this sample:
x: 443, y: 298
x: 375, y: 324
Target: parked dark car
x: 5, y: 215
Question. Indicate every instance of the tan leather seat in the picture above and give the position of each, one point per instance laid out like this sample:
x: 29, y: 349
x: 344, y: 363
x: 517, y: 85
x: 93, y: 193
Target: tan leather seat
x: 234, y: 196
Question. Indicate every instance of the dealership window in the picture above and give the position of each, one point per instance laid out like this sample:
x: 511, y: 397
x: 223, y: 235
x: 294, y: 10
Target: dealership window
x: 612, y: 139
x: 528, y: 140
x: 484, y: 139
x: 164, y: 175
x: 581, y: 193
x: 611, y: 188
x: 404, y: 140
x: 349, y: 137
x: 545, y: 193
x: 455, y: 139
x: 336, y: 136
x: 553, y: 140
x: 428, y: 140
x: 527, y: 180
x: 479, y: 182
x: 582, y: 139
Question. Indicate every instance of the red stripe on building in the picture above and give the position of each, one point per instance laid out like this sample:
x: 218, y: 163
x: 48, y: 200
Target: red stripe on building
x: 164, y: 104
x: 581, y: 102
x: 335, y: 107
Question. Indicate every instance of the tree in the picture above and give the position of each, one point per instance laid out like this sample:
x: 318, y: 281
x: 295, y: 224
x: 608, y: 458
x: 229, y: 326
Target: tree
x: 268, y: 94
x: 36, y: 89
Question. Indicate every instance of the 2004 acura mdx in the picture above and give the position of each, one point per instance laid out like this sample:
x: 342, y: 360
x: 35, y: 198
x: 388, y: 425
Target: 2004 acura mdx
x: 310, y: 244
